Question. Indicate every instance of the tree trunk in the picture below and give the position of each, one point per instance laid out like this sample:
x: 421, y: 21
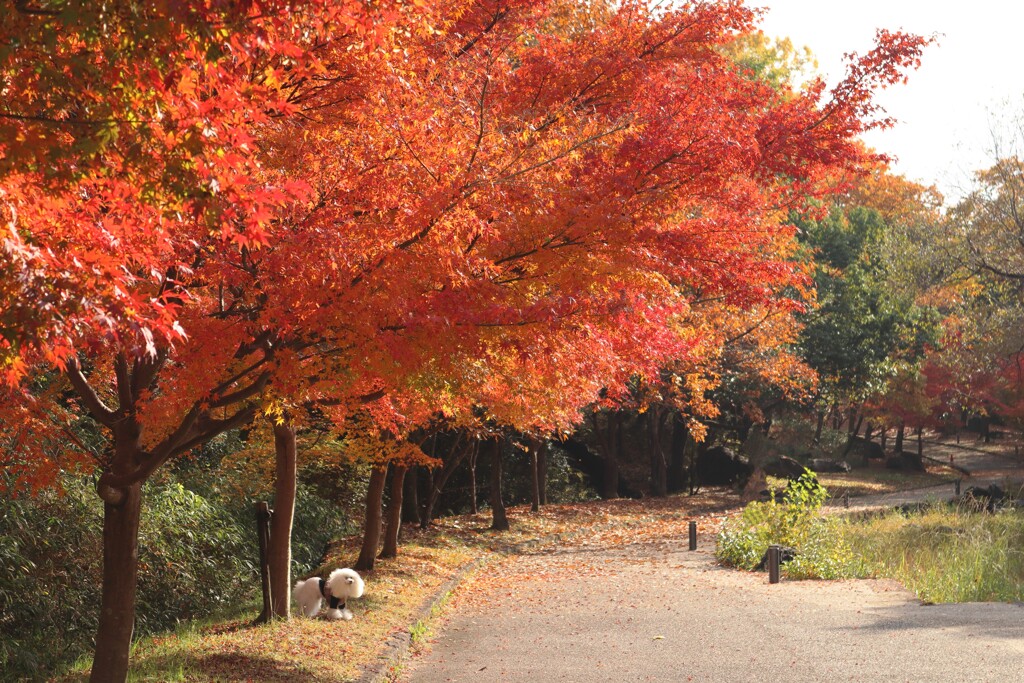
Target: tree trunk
x: 410, y: 497
x: 920, y: 442
x: 534, y: 480
x: 610, y: 483
x: 117, y: 604
x: 883, y: 433
x: 120, y: 487
x: 677, y: 460
x: 263, y: 536
x: 280, y: 552
x: 820, y: 426
x: 371, y: 527
x: 659, y: 467
x: 869, y: 432
x: 394, y: 522
x: 607, y: 442
x: 837, y: 418
x: 542, y: 472
x: 498, y: 515
x: 425, y: 513
x: 899, y: 437
x: 439, y: 479
x: 474, y: 507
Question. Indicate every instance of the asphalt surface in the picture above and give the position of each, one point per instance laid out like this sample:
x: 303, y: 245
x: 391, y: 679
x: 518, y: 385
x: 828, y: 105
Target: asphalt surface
x: 661, y: 613
x: 657, y: 612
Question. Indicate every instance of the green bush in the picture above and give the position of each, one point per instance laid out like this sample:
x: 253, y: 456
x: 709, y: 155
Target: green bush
x: 50, y: 556
x: 793, y: 521
x: 197, y: 556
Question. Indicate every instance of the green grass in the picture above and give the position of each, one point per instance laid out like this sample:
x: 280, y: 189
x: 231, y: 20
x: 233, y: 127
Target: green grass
x: 945, y: 554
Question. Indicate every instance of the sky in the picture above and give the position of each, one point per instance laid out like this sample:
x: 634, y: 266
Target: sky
x: 965, y: 97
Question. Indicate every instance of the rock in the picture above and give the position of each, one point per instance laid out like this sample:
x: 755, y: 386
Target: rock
x: 786, y: 554
x: 983, y: 498
x: 858, y: 446
x: 827, y: 465
x: 785, y: 468
x: 755, y: 488
x: 719, y: 466
x: 904, y: 461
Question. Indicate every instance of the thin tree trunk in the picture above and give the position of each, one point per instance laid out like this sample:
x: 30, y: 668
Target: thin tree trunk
x: 280, y: 552
x: 426, y: 510
x: 883, y: 433
x: 534, y: 476
x: 820, y: 426
x: 410, y: 497
x: 837, y: 418
x: 394, y: 521
x: 474, y: 507
x: 900, y: 431
x: 920, y: 442
x: 438, y: 480
x: 371, y: 526
x: 869, y: 431
x: 659, y: 467
x: 263, y: 534
x: 677, y: 460
x: 498, y: 515
x: 607, y: 442
x: 120, y: 571
x: 542, y: 472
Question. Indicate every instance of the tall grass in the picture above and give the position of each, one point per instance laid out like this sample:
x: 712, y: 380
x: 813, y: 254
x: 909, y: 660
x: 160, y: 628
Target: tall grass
x: 944, y: 554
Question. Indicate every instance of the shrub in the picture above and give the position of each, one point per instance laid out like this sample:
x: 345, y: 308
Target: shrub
x: 50, y: 555
x: 197, y: 556
x: 795, y: 522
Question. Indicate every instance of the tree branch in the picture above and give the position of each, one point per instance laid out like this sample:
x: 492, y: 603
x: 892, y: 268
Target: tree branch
x: 99, y: 411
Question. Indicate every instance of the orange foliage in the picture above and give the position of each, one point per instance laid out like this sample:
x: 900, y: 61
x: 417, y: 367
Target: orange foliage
x: 408, y: 211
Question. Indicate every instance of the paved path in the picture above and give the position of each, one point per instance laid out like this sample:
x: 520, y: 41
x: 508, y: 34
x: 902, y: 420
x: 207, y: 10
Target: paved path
x: 987, y: 463
x: 659, y: 613
x: 655, y: 612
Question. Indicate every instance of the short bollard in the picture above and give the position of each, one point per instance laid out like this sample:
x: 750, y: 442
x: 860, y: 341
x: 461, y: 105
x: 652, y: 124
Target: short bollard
x: 693, y: 535
x: 773, y: 564
x: 956, y: 487
x: 846, y: 499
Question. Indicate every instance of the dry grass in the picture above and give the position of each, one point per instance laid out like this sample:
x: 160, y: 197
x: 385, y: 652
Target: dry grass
x: 877, y: 479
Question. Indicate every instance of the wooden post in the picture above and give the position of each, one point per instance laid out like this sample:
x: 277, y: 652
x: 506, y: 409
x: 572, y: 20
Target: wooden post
x: 846, y: 499
x: 693, y: 535
x: 956, y: 487
x: 263, y: 515
x: 773, y: 564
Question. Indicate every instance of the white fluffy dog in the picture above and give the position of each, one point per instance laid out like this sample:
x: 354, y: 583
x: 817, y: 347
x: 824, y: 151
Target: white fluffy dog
x: 341, y: 585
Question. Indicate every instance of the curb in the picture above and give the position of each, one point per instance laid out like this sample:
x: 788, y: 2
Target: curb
x: 396, y: 648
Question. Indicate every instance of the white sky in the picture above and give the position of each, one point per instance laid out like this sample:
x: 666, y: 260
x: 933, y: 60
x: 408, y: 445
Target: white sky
x: 969, y: 86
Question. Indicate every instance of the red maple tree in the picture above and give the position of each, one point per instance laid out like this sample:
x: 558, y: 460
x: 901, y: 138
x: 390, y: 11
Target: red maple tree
x: 355, y: 206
